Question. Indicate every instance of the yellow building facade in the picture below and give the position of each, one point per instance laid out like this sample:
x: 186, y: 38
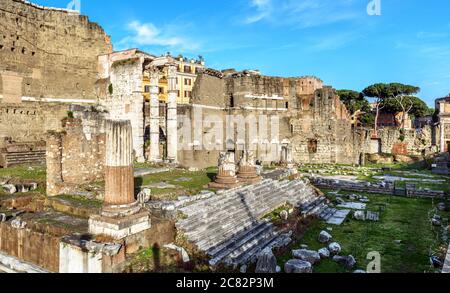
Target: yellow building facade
x: 186, y: 75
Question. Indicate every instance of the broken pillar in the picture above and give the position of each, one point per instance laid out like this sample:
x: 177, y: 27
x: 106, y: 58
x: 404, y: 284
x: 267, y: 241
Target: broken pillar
x: 172, y: 136
x: 247, y: 172
x: 226, y: 177
x: 121, y: 215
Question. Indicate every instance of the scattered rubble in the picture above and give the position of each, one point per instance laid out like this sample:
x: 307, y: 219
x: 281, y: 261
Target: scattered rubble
x: 347, y: 261
x: 310, y: 256
x: 324, y: 253
x: 334, y: 248
x: 297, y: 266
x: 267, y: 262
x: 181, y: 250
x: 324, y: 237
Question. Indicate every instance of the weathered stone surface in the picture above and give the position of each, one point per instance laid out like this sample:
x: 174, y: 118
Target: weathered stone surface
x: 360, y: 272
x: 184, y: 255
x: 359, y: 215
x: 324, y: 253
x: 324, y: 237
x: 144, y: 196
x: 9, y: 188
x: 347, y: 261
x: 310, y: 256
x: 284, y: 215
x: 267, y: 262
x: 18, y: 224
x: 297, y: 266
x: 334, y: 248
x: 243, y: 269
x: 47, y: 46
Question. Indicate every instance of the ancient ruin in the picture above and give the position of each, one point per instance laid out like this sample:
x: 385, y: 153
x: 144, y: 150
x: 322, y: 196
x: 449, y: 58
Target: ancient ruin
x: 195, y: 169
x: 121, y: 214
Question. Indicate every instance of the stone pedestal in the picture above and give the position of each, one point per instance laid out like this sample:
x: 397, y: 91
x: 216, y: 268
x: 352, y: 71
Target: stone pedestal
x: 121, y: 214
x: 226, y: 177
x: 247, y: 169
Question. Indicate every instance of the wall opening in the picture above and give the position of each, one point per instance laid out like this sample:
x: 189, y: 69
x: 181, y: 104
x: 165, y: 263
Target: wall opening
x: 312, y: 146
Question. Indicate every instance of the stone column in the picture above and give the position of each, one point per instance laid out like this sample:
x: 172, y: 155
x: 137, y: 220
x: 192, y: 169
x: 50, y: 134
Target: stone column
x: 119, y: 179
x: 54, y: 164
x: 442, y: 125
x: 121, y: 214
x: 172, y: 136
x: 154, y: 115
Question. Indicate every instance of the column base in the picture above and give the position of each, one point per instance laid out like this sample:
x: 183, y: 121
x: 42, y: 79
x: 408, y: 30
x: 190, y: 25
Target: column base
x: 119, y: 228
x: 117, y: 211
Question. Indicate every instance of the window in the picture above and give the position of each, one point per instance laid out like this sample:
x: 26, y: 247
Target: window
x: 198, y: 70
x: 178, y: 93
x: 312, y: 146
x: 187, y: 81
x: 161, y: 90
x: 187, y: 94
x: 287, y: 105
x: 187, y: 69
x: 147, y: 89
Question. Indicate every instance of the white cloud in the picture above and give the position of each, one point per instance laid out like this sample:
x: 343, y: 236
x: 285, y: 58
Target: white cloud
x: 263, y: 9
x: 147, y: 34
x: 303, y: 14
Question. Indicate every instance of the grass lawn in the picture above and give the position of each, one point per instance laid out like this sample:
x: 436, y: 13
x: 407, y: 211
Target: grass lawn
x: 197, y: 182
x: 403, y: 219
x: 37, y: 173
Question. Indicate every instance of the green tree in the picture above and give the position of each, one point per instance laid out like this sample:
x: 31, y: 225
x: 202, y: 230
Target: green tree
x: 379, y: 92
x: 418, y: 107
x: 385, y: 92
x: 355, y: 101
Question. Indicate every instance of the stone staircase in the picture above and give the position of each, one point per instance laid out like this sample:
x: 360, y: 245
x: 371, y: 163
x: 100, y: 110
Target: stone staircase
x: 230, y: 228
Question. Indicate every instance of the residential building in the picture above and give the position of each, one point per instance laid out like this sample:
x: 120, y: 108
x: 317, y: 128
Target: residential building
x: 187, y: 71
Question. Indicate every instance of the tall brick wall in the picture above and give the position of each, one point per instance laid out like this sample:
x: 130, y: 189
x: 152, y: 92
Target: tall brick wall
x: 312, y: 118
x: 48, y: 53
x: 27, y: 122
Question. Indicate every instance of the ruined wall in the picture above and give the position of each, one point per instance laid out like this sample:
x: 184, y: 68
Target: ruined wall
x: 124, y: 99
x: 76, y: 155
x: 415, y: 142
x: 322, y: 132
x: 47, y: 53
x: 27, y: 122
x: 313, y: 122
x: 30, y: 246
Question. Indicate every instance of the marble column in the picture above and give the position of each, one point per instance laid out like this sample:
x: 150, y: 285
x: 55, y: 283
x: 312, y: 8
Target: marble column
x: 172, y: 135
x: 121, y: 214
x: 154, y: 115
x: 119, y: 179
x: 442, y: 132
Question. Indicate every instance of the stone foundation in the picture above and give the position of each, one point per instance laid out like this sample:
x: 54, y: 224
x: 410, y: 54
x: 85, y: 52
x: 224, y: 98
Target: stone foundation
x: 119, y: 228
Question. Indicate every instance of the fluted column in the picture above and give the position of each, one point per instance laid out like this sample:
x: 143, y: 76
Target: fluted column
x: 119, y: 179
x: 154, y: 115
x: 172, y: 136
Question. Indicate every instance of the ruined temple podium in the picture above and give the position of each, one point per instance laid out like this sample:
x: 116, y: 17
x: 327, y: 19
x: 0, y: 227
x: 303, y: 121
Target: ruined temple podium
x: 121, y: 214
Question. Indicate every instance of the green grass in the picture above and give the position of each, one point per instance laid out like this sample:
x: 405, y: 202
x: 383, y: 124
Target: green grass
x: 199, y: 181
x: 81, y: 201
x: 403, y: 219
x: 24, y: 172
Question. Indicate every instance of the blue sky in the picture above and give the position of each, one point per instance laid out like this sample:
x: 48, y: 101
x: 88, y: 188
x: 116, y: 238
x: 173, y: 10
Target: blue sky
x: 335, y: 40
